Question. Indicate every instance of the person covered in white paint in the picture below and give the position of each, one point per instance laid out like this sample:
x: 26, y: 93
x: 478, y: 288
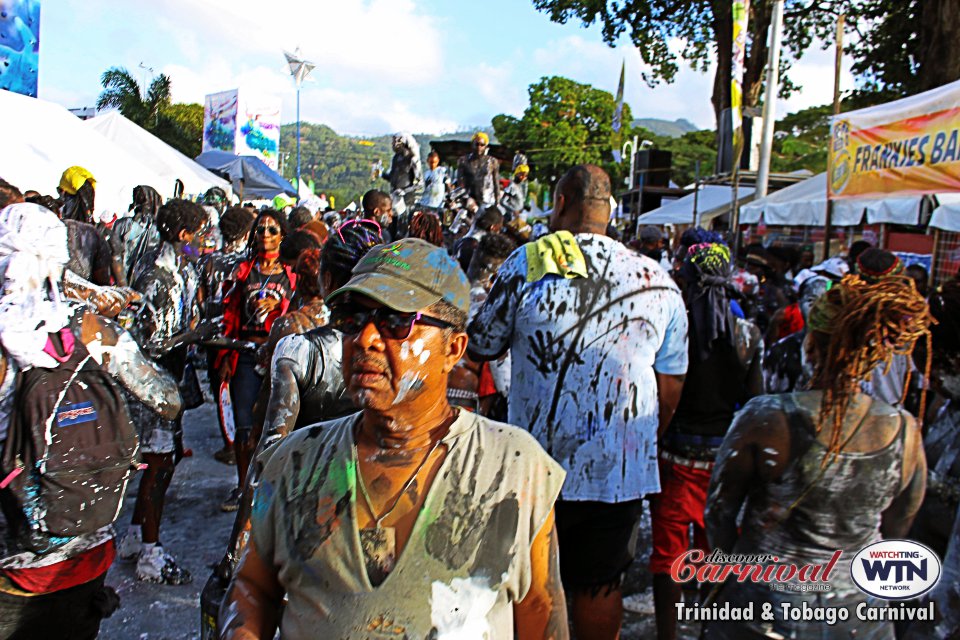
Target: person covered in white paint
x: 436, y: 184
x: 409, y: 518
x: 598, y: 343
x: 164, y: 324
x: 60, y: 593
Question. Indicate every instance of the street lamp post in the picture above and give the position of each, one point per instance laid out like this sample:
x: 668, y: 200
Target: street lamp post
x: 299, y: 69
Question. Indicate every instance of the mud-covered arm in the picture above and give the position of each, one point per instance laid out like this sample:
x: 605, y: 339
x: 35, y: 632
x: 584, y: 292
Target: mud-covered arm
x: 283, y: 407
x: 251, y: 608
x: 121, y: 357
x: 897, y: 519
x: 543, y: 611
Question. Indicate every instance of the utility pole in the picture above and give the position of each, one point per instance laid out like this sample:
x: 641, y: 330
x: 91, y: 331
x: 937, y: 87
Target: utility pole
x: 770, y: 99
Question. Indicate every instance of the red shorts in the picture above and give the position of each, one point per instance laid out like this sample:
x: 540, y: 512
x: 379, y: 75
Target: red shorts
x: 680, y: 503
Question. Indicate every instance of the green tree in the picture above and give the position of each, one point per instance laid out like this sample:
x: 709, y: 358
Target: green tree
x: 182, y: 128
x: 901, y: 47
x: 179, y: 125
x: 566, y: 123
x: 122, y: 91
x: 706, y: 29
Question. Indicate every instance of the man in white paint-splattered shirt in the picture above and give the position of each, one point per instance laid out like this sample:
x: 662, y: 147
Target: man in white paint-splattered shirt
x: 598, y: 342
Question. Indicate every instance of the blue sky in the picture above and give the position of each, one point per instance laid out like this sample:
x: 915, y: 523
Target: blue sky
x: 382, y: 65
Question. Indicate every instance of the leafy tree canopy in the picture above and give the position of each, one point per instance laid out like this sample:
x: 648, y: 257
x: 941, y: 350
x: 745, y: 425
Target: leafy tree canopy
x: 566, y: 123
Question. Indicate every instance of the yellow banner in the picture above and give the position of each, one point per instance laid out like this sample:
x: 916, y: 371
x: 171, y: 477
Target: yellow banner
x: 741, y: 13
x: 912, y: 155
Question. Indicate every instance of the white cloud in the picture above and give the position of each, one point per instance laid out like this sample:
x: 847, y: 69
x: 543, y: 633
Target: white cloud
x: 344, y: 38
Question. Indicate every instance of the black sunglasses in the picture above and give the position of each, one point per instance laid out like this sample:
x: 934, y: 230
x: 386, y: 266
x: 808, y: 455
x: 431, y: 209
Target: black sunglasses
x: 268, y: 230
x: 390, y: 324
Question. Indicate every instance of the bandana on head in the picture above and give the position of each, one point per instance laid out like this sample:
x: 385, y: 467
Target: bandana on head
x: 74, y: 177
x: 481, y: 136
x: 706, y: 269
x: 33, y: 252
x: 521, y: 169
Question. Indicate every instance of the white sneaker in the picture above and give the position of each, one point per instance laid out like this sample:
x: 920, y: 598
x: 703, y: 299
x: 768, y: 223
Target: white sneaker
x: 128, y: 547
x: 156, y: 565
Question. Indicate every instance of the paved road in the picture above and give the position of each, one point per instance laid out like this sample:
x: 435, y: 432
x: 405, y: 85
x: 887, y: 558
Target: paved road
x: 195, y: 531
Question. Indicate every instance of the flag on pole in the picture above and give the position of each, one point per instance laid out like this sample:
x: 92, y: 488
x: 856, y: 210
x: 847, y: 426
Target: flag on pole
x: 618, y: 112
x: 741, y: 12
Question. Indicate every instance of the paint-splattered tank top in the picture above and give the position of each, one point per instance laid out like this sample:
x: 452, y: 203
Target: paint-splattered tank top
x: 840, y: 507
x: 467, y: 560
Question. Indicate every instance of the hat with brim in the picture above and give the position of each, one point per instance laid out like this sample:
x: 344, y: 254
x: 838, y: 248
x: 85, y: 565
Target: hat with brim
x: 408, y: 276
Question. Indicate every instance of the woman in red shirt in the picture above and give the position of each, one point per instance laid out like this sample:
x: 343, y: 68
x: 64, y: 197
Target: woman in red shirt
x: 259, y: 292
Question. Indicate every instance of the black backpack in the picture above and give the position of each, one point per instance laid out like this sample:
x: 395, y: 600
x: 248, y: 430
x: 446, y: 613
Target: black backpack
x: 69, y: 453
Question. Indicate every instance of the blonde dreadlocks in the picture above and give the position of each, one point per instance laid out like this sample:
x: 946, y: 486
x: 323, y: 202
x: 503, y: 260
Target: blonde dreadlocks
x: 861, y: 325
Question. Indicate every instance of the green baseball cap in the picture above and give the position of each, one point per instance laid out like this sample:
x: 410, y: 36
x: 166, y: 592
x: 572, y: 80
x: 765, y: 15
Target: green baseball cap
x: 409, y: 275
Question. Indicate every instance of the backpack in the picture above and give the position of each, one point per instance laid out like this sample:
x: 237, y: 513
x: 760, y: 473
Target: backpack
x: 69, y: 453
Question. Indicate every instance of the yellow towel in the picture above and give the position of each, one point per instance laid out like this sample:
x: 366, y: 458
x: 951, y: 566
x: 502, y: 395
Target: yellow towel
x: 557, y: 253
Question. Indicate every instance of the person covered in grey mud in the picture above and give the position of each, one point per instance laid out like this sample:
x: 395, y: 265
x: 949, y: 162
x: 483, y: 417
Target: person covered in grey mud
x: 163, y: 326
x: 410, y: 517
x: 826, y: 470
x: 724, y: 372
x: 479, y: 173
x: 405, y: 174
x: 59, y: 593
x: 597, y: 336
x: 133, y: 236
x: 215, y: 269
x: 941, y: 441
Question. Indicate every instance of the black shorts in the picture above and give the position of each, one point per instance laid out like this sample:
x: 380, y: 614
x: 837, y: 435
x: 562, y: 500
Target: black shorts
x: 598, y: 541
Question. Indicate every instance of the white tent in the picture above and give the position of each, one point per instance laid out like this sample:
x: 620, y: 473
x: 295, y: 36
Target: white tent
x: 156, y: 154
x: 804, y: 204
x: 42, y: 139
x: 947, y: 214
x: 712, y: 201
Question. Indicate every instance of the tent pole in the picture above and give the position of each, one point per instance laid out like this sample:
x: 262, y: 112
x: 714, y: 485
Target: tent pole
x: 934, y: 260
x: 827, y: 229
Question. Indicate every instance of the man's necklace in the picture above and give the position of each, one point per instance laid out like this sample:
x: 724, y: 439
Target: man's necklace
x: 379, y: 543
x: 378, y: 520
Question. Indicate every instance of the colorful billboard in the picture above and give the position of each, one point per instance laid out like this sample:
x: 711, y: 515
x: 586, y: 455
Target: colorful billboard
x: 243, y: 123
x: 910, y: 146
x: 19, y: 46
x: 220, y: 121
x: 258, y: 128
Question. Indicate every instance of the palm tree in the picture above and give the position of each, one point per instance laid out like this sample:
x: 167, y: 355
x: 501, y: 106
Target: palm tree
x: 121, y: 90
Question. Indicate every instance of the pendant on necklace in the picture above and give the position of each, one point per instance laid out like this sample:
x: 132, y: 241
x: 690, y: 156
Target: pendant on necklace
x: 379, y: 545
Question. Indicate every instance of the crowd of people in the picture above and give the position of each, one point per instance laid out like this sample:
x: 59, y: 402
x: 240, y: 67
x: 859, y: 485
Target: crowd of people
x: 450, y: 425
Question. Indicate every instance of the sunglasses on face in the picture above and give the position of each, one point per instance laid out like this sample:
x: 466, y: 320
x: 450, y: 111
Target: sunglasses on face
x: 390, y: 324
x: 267, y: 230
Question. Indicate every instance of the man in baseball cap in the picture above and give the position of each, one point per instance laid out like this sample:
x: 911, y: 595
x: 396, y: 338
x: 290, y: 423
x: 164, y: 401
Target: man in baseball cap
x: 377, y: 520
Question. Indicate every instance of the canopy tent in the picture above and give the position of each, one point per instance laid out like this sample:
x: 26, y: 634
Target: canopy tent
x: 248, y: 175
x: 712, y: 201
x: 42, y: 139
x: 155, y: 153
x: 804, y: 204
x: 947, y: 214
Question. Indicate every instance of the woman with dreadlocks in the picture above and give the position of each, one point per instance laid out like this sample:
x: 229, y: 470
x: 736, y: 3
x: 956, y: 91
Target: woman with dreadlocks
x: 822, y: 471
